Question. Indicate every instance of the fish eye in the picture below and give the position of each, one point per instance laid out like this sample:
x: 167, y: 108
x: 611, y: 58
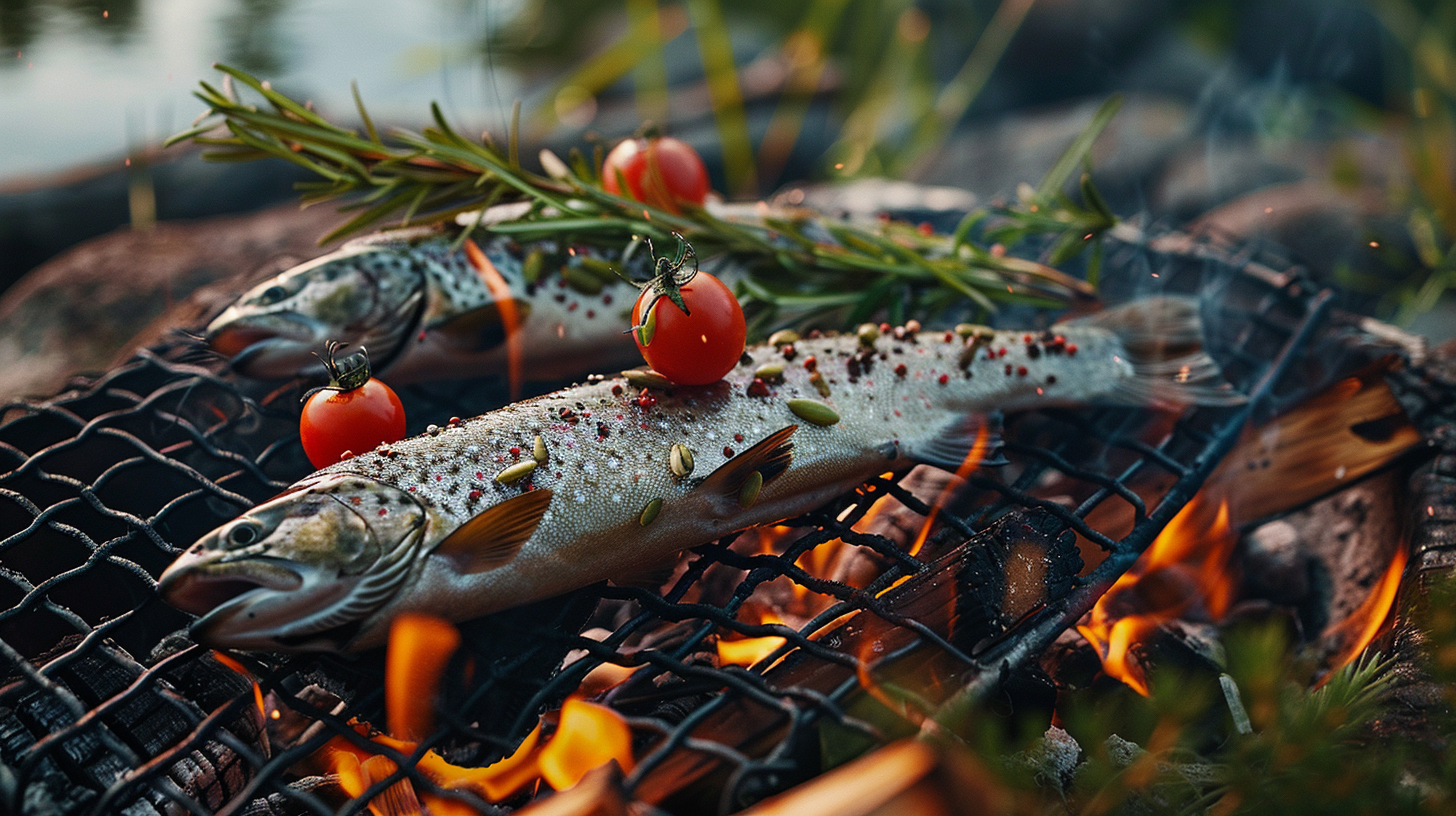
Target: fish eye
x: 243, y: 534
x: 272, y: 295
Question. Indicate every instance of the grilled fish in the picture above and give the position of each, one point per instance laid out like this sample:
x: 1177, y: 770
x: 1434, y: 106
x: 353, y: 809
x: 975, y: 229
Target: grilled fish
x: 610, y: 479
x: 427, y: 309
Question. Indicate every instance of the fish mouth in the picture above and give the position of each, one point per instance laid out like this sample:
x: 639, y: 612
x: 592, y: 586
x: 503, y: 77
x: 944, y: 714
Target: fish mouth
x: 276, y: 345
x: 199, y: 588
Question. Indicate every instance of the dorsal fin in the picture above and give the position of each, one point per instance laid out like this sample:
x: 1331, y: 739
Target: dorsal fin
x: 493, y: 538
x: 769, y: 458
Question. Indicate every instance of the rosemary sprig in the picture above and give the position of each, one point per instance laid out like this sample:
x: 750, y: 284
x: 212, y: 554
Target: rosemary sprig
x: 798, y: 263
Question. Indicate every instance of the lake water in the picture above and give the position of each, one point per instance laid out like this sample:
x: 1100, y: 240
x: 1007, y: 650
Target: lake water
x: 86, y: 81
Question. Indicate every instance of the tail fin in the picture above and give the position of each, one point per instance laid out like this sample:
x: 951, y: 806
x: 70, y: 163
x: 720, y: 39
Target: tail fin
x: 1163, y: 338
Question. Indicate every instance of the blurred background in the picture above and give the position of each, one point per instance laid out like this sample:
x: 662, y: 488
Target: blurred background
x: 1325, y: 125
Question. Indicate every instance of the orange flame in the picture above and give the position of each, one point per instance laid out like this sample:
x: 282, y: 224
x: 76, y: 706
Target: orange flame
x: 419, y: 648
x: 510, y: 316
x: 747, y: 651
x: 233, y: 664
x: 969, y: 464
x: 1188, y: 562
x: 1370, y: 617
x: 588, y: 737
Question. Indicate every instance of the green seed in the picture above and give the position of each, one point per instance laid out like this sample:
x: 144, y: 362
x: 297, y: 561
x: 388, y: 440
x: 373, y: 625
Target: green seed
x: 649, y: 513
x: 748, y: 494
x: 598, y: 268
x: 820, y: 384
x: 965, y: 329
x: 582, y: 281
x: 783, y: 337
x: 531, y: 269
x: 647, y: 378
x: 539, y: 452
x: 648, y: 329
x: 516, y: 472
x: 813, y: 411
x: 680, y: 460
x: 770, y: 372
x: 868, y: 334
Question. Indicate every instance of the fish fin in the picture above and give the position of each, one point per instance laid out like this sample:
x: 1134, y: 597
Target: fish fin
x: 493, y: 537
x: 479, y: 329
x: 652, y: 578
x: 1327, y: 442
x: 1163, y: 339
x: 953, y: 445
x: 770, y: 458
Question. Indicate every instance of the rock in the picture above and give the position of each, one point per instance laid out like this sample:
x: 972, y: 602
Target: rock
x: 107, y: 297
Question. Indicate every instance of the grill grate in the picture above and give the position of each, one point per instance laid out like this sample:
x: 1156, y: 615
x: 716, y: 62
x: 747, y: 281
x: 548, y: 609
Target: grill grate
x: 104, y: 709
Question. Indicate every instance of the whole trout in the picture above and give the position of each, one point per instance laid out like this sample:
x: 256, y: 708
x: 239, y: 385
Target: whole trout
x: 613, y: 478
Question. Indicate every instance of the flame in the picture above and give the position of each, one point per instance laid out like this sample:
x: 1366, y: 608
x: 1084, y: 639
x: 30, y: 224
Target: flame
x: 510, y: 316
x: 747, y: 651
x: 233, y: 664
x: 419, y: 648
x: 1369, y: 619
x: 588, y: 737
x: 1187, y: 563
x: 968, y: 464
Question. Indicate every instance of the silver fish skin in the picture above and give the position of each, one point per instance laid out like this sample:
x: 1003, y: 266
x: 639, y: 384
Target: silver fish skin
x: 371, y: 537
x: 424, y: 311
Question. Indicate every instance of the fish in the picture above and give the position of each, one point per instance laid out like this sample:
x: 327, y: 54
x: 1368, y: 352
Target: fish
x: 428, y: 306
x: 612, y: 479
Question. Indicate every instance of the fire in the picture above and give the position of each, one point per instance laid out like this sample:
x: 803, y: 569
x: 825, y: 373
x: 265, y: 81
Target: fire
x: 1186, y: 564
x: 241, y: 669
x: 747, y: 651
x: 419, y: 648
x: 509, y: 314
x: 587, y: 736
x: 973, y: 459
x: 1369, y: 619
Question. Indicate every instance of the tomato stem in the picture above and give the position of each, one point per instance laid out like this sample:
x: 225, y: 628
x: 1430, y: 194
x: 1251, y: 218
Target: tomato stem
x: 347, y: 374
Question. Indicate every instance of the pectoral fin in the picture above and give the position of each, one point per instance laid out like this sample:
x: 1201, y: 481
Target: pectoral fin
x: 493, y: 538
x: 479, y: 329
x: 769, y: 458
x: 974, y: 439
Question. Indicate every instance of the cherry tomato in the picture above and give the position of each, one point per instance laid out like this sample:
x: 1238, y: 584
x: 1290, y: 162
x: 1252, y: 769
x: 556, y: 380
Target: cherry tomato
x: 355, y: 420
x: 696, y: 348
x: 663, y: 172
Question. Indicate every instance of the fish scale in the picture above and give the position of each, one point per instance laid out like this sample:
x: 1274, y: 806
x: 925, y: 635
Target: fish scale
x: 486, y: 542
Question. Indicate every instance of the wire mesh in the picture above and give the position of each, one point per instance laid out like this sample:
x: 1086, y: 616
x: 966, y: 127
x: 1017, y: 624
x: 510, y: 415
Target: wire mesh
x: 106, y: 707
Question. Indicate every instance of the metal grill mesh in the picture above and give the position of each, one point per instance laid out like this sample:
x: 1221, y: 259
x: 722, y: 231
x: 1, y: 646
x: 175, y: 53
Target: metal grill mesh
x: 105, y: 710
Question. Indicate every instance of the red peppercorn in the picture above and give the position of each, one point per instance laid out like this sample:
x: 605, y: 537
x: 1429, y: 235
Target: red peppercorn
x: 737, y: 437
x: 1008, y: 369
x: 757, y: 388
x: 900, y: 370
x: 1021, y: 371
x: 811, y: 363
x: 515, y: 452
x: 944, y: 378
x: 727, y: 451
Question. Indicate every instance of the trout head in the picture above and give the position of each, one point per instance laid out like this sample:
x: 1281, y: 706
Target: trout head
x: 303, y: 571
x: 366, y: 294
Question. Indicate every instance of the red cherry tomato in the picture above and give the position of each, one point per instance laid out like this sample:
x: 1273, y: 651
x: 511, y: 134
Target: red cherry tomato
x: 696, y: 348
x: 357, y: 420
x: 663, y: 172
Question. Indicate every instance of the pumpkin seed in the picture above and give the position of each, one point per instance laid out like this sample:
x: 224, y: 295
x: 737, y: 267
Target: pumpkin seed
x: 813, y: 411
x: 868, y: 334
x: 582, y: 281
x: 649, y: 513
x: 748, y: 494
x: 539, y: 452
x: 531, y: 269
x: 647, y: 378
x: 770, y: 372
x: 783, y: 337
x: 820, y: 384
x: 680, y: 460
x: 516, y: 472
x: 598, y: 268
